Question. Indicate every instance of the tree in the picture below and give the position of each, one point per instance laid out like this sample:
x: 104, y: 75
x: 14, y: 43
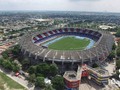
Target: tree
x: 43, y: 69
x: 16, y: 68
x: 58, y: 83
x: 32, y: 69
x: 16, y: 50
x: 5, y: 54
x: 114, y: 47
x: 49, y: 87
x: 53, y: 70
x: 40, y: 82
x: 118, y: 64
x: 7, y: 64
x: 118, y: 52
x: 1, y: 61
x: 111, y: 55
x: 32, y: 78
x: 118, y: 33
x: 25, y: 63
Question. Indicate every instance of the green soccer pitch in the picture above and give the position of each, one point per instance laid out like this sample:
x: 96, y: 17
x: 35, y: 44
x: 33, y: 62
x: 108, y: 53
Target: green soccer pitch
x: 70, y: 43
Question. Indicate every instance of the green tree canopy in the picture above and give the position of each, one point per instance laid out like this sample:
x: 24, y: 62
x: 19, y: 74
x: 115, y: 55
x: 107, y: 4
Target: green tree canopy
x: 111, y: 55
x: 16, y: 68
x: 40, y: 82
x: 32, y: 78
x: 118, y: 33
x: 114, y: 47
x: 16, y: 50
x: 118, y: 52
x: 25, y: 62
x: 32, y: 69
x: 46, y: 70
x: 53, y: 70
x: 118, y: 64
x: 5, y: 54
x: 1, y: 61
x: 7, y: 64
x: 43, y: 69
x: 58, y: 83
x: 49, y: 87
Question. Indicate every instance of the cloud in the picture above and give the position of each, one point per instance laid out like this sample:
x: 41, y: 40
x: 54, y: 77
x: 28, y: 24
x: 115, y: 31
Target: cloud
x: 61, y: 5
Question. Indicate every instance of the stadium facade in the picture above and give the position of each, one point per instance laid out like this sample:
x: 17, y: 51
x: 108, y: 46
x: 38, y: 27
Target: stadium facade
x: 31, y: 46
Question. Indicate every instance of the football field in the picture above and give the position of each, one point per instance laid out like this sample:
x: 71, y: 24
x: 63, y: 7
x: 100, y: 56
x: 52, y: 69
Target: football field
x: 70, y: 43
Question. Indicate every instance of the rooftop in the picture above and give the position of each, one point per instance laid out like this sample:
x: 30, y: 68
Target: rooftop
x: 70, y: 75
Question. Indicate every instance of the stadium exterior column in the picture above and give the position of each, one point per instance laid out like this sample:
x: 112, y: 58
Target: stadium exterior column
x: 62, y: 66
x: 102, y: 52
x: 46, y: 55
x: 97, y: 54
x: 29, y: 54
x: 72, y: 60
x: 90, y: 57
x: 106, y: 50
x: 80, y: 57
x: 24, y: 52
x: 44, y: 59
x: 35, y: 57
x: 54, y: 56
x: 53, y: 59
x: 72, y: 65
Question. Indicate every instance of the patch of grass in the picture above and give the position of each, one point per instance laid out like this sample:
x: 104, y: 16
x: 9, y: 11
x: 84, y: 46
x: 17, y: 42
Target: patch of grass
x: 70, y: 43
x: 10, y: 83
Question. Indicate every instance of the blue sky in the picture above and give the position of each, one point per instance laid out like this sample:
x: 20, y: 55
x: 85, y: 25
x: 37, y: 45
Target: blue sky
x: 62, y: 5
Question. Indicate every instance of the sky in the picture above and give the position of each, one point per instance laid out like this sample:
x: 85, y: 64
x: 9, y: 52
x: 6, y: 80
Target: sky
x: 61, y: 5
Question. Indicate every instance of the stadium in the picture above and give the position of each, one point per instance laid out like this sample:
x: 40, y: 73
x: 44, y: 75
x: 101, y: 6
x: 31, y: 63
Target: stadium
x: 67, y: 47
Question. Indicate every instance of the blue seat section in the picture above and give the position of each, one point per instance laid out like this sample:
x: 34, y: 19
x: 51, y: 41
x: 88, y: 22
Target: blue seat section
x: 77, y: 32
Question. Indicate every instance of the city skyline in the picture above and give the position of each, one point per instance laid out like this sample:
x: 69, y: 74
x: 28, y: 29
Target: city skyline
x: 61, y: 5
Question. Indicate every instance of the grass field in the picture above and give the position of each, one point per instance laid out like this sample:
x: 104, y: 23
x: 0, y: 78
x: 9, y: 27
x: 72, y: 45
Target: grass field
x: 7, y: 83
x: 70, y: 43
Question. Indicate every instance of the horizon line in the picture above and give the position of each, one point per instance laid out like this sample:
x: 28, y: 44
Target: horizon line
x: 58, y: 11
